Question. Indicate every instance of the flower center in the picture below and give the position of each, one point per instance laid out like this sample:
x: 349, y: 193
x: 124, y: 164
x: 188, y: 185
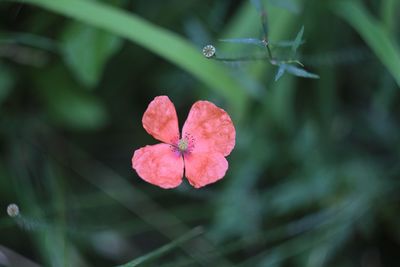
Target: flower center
x: 183, y: 145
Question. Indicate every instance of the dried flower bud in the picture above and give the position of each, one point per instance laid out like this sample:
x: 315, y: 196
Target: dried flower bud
x: 13, y: 210
x: 209, y: 51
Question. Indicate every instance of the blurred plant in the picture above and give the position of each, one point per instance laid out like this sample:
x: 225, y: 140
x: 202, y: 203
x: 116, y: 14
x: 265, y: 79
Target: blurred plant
x: 284, y: 65
x: 313, y: 180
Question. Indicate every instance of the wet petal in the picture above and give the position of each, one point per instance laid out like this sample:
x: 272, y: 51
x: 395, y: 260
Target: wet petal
x: 160, y: 120
x: 204, y: 168
x: 210, y: 127
x: 159, y: 165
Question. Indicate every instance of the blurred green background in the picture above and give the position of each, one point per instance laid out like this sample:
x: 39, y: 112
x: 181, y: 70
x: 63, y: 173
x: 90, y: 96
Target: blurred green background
x: 313, y: 180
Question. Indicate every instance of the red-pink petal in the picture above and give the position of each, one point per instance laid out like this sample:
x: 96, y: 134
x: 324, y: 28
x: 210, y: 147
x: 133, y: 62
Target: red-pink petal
x: 160, y: 120
x: 159, y: 165
x: 211, y: 127
x: 204, y: 168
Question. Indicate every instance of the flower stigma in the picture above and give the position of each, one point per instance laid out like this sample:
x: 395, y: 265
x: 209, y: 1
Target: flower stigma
x: 183, y: 145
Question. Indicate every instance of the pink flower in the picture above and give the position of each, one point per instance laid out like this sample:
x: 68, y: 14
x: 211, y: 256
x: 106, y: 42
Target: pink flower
x: 208, y: 136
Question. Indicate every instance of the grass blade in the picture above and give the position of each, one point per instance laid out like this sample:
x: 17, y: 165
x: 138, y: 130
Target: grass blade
x: 164, y: 249
x: 158, y: 40
x: 299, y: 72
x: 298, y: 40
x: 279, y: 73
x: 373, y: 34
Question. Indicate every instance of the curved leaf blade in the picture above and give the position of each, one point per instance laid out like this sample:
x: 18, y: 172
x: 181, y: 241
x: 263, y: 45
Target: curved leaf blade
x: 298, y: 40
x: 296, y: 71
x: 88, y: 64
x: 373, y: 34
x: 166, y: 44
x: 164, y: 249
x: 279, y: 73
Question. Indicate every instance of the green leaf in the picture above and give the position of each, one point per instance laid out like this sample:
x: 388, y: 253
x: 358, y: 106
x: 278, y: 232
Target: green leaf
x: 373, y: 34
x: 68, y: 105
x: 158, y: 40
x: 280, y: 72
x: 86, y: 51
x: 298, y: 40
x: 296, y: 71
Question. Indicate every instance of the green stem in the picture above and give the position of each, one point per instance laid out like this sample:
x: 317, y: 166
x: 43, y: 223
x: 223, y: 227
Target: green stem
x: 272, y: 61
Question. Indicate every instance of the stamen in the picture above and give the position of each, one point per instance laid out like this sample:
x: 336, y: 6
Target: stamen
x: 184, y: 145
